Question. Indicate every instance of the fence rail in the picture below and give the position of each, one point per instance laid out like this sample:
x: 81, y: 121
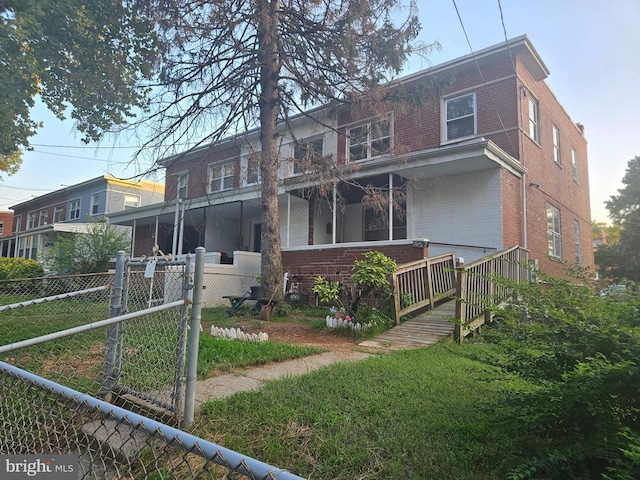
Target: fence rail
x: 478, y: 290
x: 422, y: 283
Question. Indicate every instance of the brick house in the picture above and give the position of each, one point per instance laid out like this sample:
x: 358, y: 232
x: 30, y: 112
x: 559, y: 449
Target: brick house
x: 37, y: 222
x: 493, y: 161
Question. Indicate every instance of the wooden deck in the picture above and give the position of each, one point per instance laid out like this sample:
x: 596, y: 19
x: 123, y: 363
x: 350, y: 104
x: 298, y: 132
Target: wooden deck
x: 422, y: 330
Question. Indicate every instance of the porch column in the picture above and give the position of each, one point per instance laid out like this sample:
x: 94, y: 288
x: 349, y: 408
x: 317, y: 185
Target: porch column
x: 133, y: 238
x: 176, y: 218
x: 334, y: 215
x: 391, y: 206
x: 15, y: 247
x: 155, y: 233
x: 181, y: 236
x: 288, y: 216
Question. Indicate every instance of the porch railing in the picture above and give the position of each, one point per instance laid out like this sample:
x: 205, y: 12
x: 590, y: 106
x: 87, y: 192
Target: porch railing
x: 422, y: 283
x: 478, y: 290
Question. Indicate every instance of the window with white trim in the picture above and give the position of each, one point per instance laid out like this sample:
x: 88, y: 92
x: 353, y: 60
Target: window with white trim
x: 556, y: 145
x: 304, y: 154
x: 253, y: 169
x: 95, y: 203
x: 32, y: 220
x: 1, y: 228
x: 74, y: 209
x: 534, y: 119
x: 574, y: 164
x: 576, y: 239
x: 131, y: 201
x: 369, y: 140
x: 17, y: 223
x: 460, y: 117
x: 220, y: 177
x: 181, y: 185
x: 554, y: 231
x: 58, y: 213
x: 44, y: 216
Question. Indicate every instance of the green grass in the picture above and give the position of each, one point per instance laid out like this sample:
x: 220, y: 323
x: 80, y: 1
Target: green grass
x: 428, y: 413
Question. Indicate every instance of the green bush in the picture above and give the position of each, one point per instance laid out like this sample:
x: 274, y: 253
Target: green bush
x: 11, y: 268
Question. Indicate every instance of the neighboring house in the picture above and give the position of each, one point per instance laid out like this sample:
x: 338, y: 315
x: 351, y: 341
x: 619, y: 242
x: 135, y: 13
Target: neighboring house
x: 6, y: 227
x: 37, y: 222
x: 493, y: 162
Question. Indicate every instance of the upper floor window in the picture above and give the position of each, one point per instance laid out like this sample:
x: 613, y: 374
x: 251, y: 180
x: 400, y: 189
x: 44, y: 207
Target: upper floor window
x: 253, y: 169
x: 74, y: 209
x: 369, y: 140
x: 131, y: 201
x: 220, y: 177
x: 32, y: 220
x: 460, y: 116
x: 17, y: 223
x: 574, y: 164
x: 58, y: 213
x: 554, y: 232
x: 181, y: 185
x: 534, y: 119
x: 556, y: 145
x: 304, y: 154
x: 44, y: 217
x: 95, y: 203
x: 576, y: 239
x: 1, y: 228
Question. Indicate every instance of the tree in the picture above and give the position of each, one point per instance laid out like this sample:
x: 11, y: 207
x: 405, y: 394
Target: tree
x: 87, y: 54
x: 622, y: 260
x: 216, y: 68
x: 89, y: 252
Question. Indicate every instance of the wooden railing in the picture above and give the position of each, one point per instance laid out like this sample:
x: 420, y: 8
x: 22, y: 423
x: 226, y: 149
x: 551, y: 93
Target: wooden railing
x: 477, y: 290
x: 422, y: 283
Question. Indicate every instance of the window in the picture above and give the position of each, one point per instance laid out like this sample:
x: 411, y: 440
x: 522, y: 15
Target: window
x: 220, y: 177
x: 1, y: 228
x: 17, y: 223
x: 576, y: 239
x: 554, y: 234
x: 44, y: 215
x: 556, y: 145
x: 534, y: 120
x: 369, y: 140
x: 58, y: 213
x: 376, y: 225
x: 253, y: 169
x: 574, y: 164
x: 181, y: 186
x: 95, y: 203
x: 74, y: 209
x: 304, y: 154
x: 131, y: 201
x: 460, y: 120
x: 32, y: 220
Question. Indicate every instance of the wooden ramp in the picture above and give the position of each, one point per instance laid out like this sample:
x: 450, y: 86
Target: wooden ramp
x: 422, y: 330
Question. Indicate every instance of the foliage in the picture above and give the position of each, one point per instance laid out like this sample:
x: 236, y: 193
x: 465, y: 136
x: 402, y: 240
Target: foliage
x: 87, y: 252
x: 11, y: 268
x: 582, y: 350
x: 611, y: 232
x: 328, y: 291
x: 371, y: 279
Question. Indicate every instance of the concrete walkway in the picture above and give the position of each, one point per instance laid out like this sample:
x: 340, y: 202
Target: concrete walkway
x: 253, y: 378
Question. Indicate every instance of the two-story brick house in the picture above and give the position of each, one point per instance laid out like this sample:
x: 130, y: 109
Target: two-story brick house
x: 492, y: 162
x: 37, y: 222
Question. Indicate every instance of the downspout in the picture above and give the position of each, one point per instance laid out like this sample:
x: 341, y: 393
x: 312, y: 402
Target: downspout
x: 133, y: 238
x: 288, y: 218
x: 525, y: 233
x: 334, y: 215
x: 390, y: 206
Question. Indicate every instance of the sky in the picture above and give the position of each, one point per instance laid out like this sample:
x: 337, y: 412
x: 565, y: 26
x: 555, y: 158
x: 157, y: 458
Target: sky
x: 589, y: 46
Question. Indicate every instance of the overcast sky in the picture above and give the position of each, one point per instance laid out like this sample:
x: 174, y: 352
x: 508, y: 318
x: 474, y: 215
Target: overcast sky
x: 589, y: 46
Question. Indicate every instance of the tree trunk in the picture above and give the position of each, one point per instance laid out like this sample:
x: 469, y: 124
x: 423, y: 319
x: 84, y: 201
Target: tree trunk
x: 271, y: 263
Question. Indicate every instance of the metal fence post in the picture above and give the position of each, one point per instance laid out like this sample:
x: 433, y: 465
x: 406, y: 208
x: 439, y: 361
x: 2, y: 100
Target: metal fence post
x: 187, y: 287
x: 116, y: 310
x: 194, y: 337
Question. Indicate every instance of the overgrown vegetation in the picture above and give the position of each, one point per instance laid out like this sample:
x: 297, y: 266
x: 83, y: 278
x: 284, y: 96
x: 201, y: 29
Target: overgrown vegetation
x: 11, y: 268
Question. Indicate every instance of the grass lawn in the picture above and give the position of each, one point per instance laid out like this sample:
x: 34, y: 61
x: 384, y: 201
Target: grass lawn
x: 419, y: 414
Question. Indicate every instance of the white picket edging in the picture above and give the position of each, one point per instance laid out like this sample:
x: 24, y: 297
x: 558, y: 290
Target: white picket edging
x: 238, y: 334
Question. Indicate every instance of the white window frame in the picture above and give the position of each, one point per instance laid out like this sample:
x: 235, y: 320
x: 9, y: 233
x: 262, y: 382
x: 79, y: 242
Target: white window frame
x: 556, y: 145
x: 534, y: 119
x: 95, y: 203
x: 1, y: 228
x: 254, y: 176
x: 225, y: 177
x: 448, y: 134
x: 369, y: 138
x: 554, y: 231
x: 75, y: 207
x: 128, y: 204
x: 43, y: 217
x: 182, y: 185
x: 300, y: 151
x: 574, y: 164
x: 577, y: 241
x: 32, y: 220
x: 17, y: 220
x: 58, y: 211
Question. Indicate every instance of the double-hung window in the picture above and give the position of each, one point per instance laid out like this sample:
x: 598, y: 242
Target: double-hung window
x: 534, y: 119
x: 554, y: 232
x: 556, y: 145
x: 74, y: 209
x: 32, y: 220
x: 304, y: 154
x: 460, y: 117
x: 576, y: 239
x: 1, y: 228
x: 369, y: 140
x: 44, y: 216
x: 181, y: 185
x: 131, y: 201
x: 95, y: 203
x: 220, y: 177
x: 253, y: 169
x: 58, y: 213
x: 17, y: 223
x: 574, y: 164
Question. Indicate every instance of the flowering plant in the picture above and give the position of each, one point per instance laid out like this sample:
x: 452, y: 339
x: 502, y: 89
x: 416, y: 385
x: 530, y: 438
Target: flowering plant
x: 340, y: 314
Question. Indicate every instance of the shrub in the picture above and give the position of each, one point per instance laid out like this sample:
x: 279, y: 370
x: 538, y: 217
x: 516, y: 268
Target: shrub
x: 11, y: 268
